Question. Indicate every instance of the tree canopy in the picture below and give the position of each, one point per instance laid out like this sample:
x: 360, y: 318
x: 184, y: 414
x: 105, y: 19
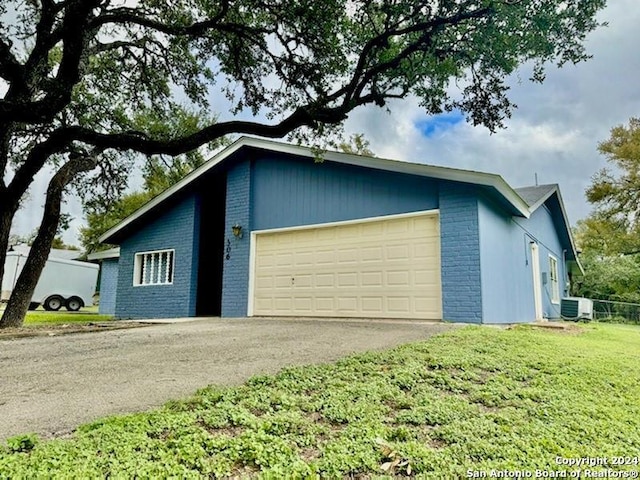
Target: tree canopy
x: 616, y: 194
x: 86, y: 83
x: 610, y: 236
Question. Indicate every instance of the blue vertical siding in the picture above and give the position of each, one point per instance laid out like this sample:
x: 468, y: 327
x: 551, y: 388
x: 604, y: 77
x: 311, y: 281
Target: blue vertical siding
x: 507, y: 276
x: 288, y: 192
x: 507, y: 272
x: 235, y: 277
x: 108, y: 286
x: 175, y: 229
x: 460, y: 254
x: 541, y: 227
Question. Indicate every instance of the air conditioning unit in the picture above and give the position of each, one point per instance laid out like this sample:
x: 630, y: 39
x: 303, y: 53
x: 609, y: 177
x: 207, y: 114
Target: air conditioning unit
x: 576, y: 308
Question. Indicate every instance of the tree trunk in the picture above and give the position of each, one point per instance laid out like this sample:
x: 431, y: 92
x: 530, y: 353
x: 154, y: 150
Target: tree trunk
x: 6, y: 217
x: 21, y: 297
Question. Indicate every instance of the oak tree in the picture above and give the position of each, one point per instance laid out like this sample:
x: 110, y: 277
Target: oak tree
x: 610, y: 236
x: 79, y: 79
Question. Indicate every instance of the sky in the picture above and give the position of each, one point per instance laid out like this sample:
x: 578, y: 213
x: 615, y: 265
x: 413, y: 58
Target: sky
x: 553, y: 134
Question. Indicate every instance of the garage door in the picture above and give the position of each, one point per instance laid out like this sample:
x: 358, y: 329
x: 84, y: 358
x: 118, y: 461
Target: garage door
x: 383, y: 268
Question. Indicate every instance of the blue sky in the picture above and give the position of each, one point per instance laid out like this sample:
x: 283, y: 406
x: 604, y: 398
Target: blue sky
x: 436, y: 124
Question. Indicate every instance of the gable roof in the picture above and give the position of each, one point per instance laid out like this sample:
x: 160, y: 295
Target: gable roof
x: 536, y: 194
x: 508, y: 194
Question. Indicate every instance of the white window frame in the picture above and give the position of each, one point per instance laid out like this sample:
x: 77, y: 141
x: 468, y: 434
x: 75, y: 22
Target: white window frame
x: 158, y: 275
x: 554, y: 279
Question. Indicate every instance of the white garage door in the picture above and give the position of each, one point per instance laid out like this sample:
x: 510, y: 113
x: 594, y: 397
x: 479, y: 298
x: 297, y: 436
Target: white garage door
x: 382, y: 268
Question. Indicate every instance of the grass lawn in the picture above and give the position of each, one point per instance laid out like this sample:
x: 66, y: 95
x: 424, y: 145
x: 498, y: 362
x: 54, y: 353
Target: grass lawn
x: 468, y: 401
x: 56, y: 318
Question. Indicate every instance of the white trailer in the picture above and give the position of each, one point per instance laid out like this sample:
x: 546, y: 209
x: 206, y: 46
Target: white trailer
x: 63, y: 283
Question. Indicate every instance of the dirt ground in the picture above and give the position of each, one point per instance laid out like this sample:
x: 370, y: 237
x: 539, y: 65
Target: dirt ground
x: 51, y: 384
x: 64, y: 329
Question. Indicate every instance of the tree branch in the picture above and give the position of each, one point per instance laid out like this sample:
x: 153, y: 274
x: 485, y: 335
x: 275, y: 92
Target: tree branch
x: 10, y: 69
x: 74, y: 34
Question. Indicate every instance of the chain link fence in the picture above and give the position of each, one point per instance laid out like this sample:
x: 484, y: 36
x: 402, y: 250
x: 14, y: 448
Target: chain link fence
x: 616, y: 312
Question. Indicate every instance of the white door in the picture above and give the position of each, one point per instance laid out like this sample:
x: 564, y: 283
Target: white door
x: 537, y: 281
x: 380, y: 268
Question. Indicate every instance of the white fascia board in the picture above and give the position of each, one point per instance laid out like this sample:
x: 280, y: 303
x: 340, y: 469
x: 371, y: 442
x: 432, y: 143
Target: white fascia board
x: 566, y: 222
x: 104, y: 254
x: 442, y: 173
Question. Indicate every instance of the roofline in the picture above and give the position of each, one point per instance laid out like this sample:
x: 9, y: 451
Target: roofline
x: 105, y: 254
x: 556, y: 190
x: 443, y: 173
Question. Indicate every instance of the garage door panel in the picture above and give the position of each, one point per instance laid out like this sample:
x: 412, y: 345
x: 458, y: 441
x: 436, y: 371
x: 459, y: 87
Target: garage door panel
x: 347, y: 279
x: 346, y: 305
x: 371, y: 279
x: 325, y: 257
x: 325, y: 305
x: 399, y: 278
x: 303, y: 258
x: 304, y: 304
x: 398, y: 305
x: 381, y: 268
x: 373, y: 306
x: 323, y: 280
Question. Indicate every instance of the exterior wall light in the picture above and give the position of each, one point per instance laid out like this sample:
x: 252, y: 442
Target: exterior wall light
x: 237, y: 230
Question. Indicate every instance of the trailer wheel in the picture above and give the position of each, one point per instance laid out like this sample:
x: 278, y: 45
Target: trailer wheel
x: 33, y: 305
x: 74, y: 304
x: 53, y: 303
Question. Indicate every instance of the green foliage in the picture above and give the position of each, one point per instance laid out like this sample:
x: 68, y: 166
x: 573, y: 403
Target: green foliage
x: 610, y: 236
x: 619, y: 195
x: 100, y: 220
x: 615, y: 278
x: 475, y: 398
x: 613, y: 228
x: 22, y: 443
x: 357, y: 144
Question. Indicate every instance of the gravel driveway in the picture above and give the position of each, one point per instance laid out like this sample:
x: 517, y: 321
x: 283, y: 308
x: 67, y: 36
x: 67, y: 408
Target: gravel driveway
x: 50, y: 385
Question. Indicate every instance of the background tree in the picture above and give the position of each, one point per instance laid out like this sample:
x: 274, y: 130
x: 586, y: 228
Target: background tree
x: 82, y: 78
x: 616, y: 194
x: 610, y: 237
x: 357, y: 144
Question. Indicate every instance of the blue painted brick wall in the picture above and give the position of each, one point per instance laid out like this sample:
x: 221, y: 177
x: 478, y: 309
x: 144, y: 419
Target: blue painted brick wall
x: 460, y: 254
x: 108, y: 286
x: 235, y: 279
x: 177, y: 229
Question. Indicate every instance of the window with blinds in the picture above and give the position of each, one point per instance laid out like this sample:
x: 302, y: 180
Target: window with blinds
x: 154, y: 268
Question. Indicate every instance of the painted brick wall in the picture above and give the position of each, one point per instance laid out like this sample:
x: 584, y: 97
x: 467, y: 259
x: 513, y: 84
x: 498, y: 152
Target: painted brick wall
x: 235, y: 277
x: 460, y: 254
x: 108, y: 286
x: 177, y: 229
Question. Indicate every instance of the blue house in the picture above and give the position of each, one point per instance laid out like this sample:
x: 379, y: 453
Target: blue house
x: 265, y: 229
